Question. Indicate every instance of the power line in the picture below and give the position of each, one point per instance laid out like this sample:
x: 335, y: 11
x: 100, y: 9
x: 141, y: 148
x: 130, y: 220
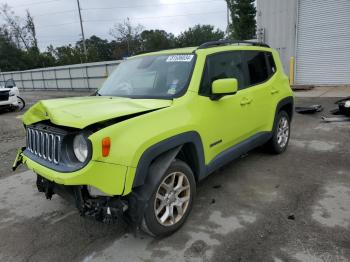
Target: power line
x: 124, y: 7
x: 37, y: 3
x: 150, y: 5
x: 54, y: 13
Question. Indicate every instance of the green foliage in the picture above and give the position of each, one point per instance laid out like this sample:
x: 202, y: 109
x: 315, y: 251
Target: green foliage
x: 19, y: 46
x: 243, y: 26
x: 198, y: 35
x: 154, y: 40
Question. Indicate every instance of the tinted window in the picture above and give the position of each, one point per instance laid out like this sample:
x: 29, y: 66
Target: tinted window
x: 257, y: 66
x: 223, y: 65
x: 271, y: 63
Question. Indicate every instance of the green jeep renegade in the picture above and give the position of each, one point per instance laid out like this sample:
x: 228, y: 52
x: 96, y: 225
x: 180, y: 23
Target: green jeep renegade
x: 159, y: 124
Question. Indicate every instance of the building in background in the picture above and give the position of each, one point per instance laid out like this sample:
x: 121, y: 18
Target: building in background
x: 315, y: 32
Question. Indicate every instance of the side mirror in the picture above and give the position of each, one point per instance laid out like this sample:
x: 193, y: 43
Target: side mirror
x: 223, y: 87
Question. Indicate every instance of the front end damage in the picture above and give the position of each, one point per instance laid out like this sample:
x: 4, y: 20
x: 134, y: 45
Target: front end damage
x: 105, y: 209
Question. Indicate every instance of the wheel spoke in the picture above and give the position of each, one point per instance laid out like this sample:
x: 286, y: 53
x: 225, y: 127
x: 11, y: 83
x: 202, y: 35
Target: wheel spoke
x: 160, y: 208
x: 179, y: 182
x: 179, y: 209
x: 160, y: 197
x: 166, y: 214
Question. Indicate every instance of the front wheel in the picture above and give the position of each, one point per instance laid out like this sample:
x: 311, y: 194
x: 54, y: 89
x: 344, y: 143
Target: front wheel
x: 280, y: 135
x: 171, y: 202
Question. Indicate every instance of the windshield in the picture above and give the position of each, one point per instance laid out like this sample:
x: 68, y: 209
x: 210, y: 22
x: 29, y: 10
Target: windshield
x: 161, y: 76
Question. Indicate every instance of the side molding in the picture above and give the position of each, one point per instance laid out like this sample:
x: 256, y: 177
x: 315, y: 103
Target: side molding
x: 236, y: 151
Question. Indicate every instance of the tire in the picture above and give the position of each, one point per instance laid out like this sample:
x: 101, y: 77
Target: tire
x: 21, y: 103
x: 280, y: 134
x: 154, y: 222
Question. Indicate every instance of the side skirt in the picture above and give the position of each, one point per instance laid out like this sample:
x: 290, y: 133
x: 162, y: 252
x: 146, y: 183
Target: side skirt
x: 236, y: 151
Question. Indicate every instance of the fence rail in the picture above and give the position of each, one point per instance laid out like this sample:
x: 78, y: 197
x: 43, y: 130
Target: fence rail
x: 75, y: 77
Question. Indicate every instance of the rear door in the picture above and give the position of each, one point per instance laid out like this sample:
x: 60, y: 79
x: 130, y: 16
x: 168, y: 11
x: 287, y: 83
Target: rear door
x: 260, y: 89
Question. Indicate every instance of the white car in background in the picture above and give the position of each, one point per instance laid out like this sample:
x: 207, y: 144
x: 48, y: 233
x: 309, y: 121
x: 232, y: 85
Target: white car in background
x: 9, y: 96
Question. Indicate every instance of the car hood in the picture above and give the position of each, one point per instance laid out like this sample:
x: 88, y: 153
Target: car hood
x: 80, y: 112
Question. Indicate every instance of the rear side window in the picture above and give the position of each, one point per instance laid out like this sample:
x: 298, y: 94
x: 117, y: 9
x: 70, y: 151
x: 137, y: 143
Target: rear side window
x: 221, y: 66
x: 270, y: 63
x: 257, y: 66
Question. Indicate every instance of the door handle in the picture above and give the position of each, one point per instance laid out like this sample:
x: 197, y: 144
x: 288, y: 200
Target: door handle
x: 246, y: 101
x: 274, y: 91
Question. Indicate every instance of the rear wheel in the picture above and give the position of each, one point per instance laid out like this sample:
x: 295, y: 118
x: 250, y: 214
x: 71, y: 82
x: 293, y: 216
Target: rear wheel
x: 171, y: 201
x: 280, y: 135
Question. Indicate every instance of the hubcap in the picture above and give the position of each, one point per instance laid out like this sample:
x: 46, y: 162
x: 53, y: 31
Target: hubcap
x: 172, y: 199
x: 283, y: 132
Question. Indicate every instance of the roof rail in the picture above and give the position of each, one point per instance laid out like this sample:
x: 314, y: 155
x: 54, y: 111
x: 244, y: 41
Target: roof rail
x: 230, y: 42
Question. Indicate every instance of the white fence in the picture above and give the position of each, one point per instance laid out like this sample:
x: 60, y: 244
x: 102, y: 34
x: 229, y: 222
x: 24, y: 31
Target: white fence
x: 76, y: 77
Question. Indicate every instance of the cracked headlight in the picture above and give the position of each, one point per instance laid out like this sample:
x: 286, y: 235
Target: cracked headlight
x: 80, y: 147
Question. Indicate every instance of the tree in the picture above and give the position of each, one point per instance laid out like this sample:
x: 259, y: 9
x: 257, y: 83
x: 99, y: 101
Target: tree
x: 21, y: 31
x: 199, y: 34
x: 154, y: 40
x: 128, y: 33
x: 243, y: 25
x: 10, y: 55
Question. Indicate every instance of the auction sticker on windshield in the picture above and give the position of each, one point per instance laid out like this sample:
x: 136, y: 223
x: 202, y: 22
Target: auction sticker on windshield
x: 179, y: 58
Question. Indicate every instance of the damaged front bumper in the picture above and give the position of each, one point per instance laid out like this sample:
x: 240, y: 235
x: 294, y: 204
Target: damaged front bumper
x: 104, y: 209
x: 106, y: 177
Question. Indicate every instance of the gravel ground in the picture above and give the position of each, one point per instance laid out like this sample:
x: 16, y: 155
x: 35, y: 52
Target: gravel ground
x: 290, y: 207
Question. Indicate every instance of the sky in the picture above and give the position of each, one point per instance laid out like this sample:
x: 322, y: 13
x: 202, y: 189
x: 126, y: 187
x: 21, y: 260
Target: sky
x: 57, y: 21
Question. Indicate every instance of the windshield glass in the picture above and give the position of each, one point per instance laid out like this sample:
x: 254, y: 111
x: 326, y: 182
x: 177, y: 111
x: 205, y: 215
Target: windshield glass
x: 162, y: 76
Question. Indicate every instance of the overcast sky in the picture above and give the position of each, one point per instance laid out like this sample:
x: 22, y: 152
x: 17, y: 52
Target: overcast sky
x: 57, y: 21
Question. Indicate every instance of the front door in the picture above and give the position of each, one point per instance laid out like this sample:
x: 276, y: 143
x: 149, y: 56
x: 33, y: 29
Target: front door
x: 227, y: 121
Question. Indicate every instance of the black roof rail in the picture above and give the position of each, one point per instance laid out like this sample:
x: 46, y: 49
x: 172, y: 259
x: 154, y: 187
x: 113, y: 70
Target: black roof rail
x: 230, y: 42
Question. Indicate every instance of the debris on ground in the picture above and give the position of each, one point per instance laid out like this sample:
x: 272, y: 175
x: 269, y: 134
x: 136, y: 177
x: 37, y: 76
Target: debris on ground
x: 291, y: 217
x: 302, y: 87
x: 342, y: 112
x: 217, y: 186
x: 335, y: 119
x: 343, y: 107
x: 308, y: 109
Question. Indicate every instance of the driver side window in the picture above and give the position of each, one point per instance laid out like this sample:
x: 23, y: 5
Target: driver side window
x: 221, y: 66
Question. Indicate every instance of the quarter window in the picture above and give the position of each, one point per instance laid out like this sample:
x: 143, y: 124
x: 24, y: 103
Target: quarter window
x: 271, y: 63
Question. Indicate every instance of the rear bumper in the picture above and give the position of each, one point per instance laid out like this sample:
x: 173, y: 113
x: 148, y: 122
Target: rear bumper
x: 108, y: 178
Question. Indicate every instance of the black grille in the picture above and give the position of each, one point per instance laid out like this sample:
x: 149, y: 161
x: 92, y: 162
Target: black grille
x: 4, y: 95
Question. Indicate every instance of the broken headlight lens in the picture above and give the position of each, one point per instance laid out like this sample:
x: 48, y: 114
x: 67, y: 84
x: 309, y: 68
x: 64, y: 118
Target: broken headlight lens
x: 80, y: 147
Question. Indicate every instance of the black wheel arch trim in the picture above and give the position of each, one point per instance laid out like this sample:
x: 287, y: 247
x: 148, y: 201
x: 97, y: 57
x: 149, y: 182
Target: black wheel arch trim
x: 289, y: 100
x: 168, y: 149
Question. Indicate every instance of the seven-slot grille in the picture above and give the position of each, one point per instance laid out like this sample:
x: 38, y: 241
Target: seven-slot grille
x: 44, y: 144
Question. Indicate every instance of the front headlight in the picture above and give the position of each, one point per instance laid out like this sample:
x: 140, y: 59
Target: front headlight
x: 12, y: 93
x: 80, y: 147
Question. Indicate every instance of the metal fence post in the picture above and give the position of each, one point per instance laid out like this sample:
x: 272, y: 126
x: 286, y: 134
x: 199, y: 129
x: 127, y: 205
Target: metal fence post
x: 43, y: 78
x: 31, y: 76
x: 87, y: 77
x: 21, y: 78
x: 70, y: 78
x: 55, y: 75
